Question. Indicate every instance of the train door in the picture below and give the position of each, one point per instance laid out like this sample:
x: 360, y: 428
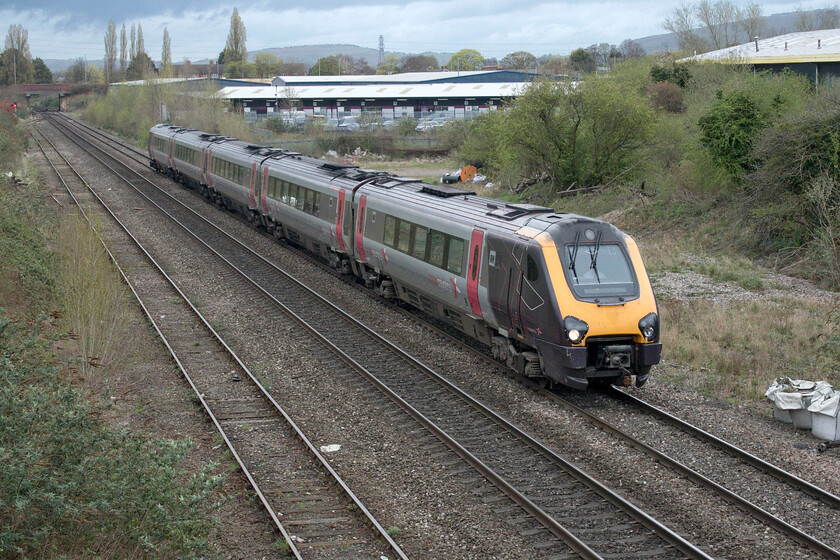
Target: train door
x: 517, y: 276
x: 262, y: 201
x: 254, y: 191
x: 171, y: 154
x: 202, y: 168
x: 474, y: 271
x: 339, y: 219
x: 360, y: 229
x: 210, y: 166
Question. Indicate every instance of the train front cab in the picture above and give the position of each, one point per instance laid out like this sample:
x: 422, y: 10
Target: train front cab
x: 607, y: 312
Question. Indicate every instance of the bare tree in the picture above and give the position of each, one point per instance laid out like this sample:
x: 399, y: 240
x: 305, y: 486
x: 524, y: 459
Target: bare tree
x: 751, y: 20
x: 18, y: 38
x: 141, y: 47
x: 133, y: 52
x: 110, y: 51
x: 631, y: 49
x: 166, y: 52
x: 123, y: 52
x: 682, y: 22
x: 235, y: 50
x: 719, y: 21
x: 830, y: 18
x: 803, y: 21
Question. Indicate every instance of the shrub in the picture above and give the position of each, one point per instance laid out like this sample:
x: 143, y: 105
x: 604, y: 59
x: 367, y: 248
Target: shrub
x: 728, y: 131
x: 71, y: 485
x: 666, y: 96
x: 677, y: 74
x: 587, y: 135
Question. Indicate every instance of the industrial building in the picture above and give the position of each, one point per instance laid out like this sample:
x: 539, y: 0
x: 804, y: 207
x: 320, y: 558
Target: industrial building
x: 815, y: 54
x: 450, y: 95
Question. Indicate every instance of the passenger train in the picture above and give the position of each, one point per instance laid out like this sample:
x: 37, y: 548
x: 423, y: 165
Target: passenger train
x: 557, y: 296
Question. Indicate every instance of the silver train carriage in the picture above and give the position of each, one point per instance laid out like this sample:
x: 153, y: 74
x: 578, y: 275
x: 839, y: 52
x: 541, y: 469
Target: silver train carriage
x: 557, y: 296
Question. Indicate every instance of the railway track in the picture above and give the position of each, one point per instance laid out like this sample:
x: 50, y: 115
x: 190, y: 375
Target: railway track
x: 780, y: 495
x: 312, y: 508
x: 577, y: 516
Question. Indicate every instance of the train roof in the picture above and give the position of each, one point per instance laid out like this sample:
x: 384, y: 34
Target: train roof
x: 445, y: 202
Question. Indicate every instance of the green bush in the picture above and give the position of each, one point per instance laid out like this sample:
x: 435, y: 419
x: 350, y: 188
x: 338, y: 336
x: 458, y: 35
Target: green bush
x: 575, y: 136
x: 728, y: 131
x: 72, y: 486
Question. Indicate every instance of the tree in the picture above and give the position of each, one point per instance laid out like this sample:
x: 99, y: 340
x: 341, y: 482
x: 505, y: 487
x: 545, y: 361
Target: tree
x: 221, y: 58
x: 42, y: 74
x: 140, y: 67
x: 830, y: 18
x: 18, y: 38
x: 728, y: 130
x: 804, y: 21
x: 751, y: 20
x: 582, y: 61
x: 631, y: 49
x: 465, y: 60
x: 166, y: 53
x: 588, y: 135
x: 601, y: 53
x: 519, y: 60
x: 325, y: 66
x: 390, y: 64
x: 133, y: 52
x: 15, y: 68
x: 682, y: 23
x: 719, y: 21
x: 556, y: 65
x: 141, y: 46
x: 78, y: 72
x: 267, y: 65
x: 240, y: 69
x: 110, y: 51
x: 123, y: 52
x: 419, y: 63
x: 235, y: 50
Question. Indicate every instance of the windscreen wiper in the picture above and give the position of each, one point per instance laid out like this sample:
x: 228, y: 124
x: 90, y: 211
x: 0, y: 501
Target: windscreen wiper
x: 573, y: 253
x: 593, y: 255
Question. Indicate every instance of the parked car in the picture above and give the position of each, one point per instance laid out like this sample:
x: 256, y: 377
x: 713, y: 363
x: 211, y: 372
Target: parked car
x: 348, y: 124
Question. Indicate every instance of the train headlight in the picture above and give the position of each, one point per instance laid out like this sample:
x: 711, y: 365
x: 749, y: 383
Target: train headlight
x: 649, y: 327
x: 575, y: 329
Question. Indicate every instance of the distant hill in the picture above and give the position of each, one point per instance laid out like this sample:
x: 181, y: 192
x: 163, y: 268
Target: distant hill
x: 309, y: 54
x: 776, y: 24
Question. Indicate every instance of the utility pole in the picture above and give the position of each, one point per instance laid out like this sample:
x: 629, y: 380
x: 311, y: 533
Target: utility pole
x: 14, y: 64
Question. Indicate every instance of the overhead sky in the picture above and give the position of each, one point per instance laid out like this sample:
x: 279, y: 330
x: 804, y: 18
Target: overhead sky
x: 65, y: 29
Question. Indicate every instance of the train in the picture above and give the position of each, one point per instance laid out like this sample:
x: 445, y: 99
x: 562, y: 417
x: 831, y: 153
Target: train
x: 558, y: 297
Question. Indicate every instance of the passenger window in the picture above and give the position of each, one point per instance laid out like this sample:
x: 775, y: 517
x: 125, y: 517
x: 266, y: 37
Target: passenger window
x: 532, y: 272
x: 456, y: 256
x: 475, y: 262
x: 419, y: 250
x: 404, y: 237
x: 437, y: 243
x: 292, y: 195
x: 285, y: 192
x: 316, y: 205
x: 307, y: 206
x: 299, y: 194
x: 390, y: 231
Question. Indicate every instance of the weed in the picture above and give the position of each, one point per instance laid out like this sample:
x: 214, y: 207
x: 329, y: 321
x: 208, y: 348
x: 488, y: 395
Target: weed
x: 392, y: 531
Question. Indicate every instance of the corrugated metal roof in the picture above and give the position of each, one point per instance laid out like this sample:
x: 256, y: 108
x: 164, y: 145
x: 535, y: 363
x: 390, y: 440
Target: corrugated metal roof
x: 805, y: 46
x: 407, y: 77
x: 418, y: 91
